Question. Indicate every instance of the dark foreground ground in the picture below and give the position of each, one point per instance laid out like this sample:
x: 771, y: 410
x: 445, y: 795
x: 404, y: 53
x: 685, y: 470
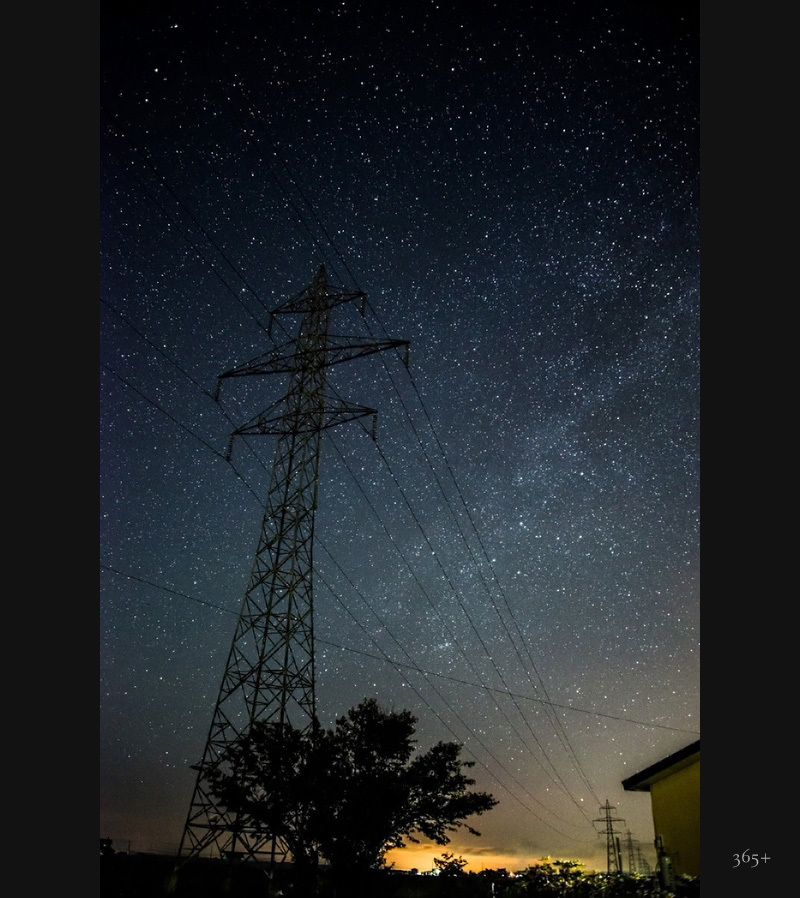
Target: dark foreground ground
x: 156, y: 876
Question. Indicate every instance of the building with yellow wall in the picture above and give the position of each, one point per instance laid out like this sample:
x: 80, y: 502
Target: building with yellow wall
x: 674, y: 787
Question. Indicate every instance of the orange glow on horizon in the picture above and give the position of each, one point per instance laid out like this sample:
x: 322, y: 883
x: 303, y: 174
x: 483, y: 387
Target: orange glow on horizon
x: 421, y: 857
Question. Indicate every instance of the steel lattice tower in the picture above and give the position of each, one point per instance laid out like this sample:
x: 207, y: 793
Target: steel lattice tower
x: 629, y: 847
x: 269, y: 674
x: 614, y: 864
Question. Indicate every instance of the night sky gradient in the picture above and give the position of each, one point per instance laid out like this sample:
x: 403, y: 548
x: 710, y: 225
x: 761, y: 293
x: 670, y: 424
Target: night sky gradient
x: 515, y: 558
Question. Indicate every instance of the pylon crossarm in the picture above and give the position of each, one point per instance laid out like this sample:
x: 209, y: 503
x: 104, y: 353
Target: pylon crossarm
x: 320, y: 291
x: 284, y: 359
x: 272, y: 423
x: 353, y: 349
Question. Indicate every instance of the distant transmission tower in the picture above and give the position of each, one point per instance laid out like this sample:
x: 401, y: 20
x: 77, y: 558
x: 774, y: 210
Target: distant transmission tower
x: 614, y: 864
x: 629, y: 849
x: 269, y: 674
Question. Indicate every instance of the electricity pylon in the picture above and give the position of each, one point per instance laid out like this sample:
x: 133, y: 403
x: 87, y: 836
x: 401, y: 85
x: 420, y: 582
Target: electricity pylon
x: 269, y: 674
x: 629, y: 848
x: 614, y: 864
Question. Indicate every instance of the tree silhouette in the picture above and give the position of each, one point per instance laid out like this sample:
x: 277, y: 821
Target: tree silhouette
x: 351, y: 793
x: 447, y: 865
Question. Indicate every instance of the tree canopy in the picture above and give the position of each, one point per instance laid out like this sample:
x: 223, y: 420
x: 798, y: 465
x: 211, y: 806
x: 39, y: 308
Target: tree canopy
x: 351, y: 793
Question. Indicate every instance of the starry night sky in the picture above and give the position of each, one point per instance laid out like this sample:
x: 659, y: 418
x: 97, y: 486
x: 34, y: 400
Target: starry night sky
x: 515, y: 559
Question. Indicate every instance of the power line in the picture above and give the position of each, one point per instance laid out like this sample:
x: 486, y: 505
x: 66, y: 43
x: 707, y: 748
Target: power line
x: 558, y: 726
x: 560, y: 732
x: 558, y: 779
x: 458, y: 717
x: 396, y: 663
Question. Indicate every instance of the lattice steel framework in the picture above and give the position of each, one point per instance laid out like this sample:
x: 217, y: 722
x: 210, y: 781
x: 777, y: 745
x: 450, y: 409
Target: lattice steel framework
x: 613, y: 860
x: 269, y: 674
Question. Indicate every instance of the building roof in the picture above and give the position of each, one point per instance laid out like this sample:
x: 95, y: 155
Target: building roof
x: 641, y: 782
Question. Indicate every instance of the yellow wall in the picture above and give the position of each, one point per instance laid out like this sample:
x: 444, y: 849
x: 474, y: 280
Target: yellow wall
x: 676, y: 817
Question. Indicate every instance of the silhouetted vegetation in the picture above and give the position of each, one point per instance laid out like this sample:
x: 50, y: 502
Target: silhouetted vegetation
x: 340, y: 799
x: 349, y: 794
x: 154, y: 876
x: 565, y: 878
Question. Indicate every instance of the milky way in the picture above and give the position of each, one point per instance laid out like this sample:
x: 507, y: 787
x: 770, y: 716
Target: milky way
x: 515, y: 556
